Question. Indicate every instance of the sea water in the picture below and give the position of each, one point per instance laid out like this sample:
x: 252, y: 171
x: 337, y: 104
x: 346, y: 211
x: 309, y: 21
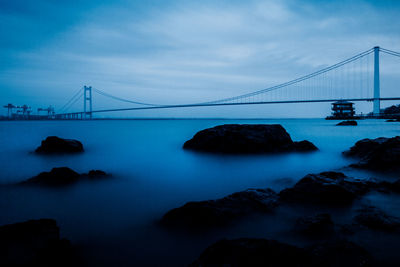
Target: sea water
x: 114, y: 221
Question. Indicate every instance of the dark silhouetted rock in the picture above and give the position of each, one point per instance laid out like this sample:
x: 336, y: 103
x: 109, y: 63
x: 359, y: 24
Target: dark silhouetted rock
x: 316, y: 226
x: 377, y: 154
x: 339, y: 253
x: 262, y: 252
x: 56, y: 145
x: 56, y: 177
x: 62, y: 176
x: 34, y: 243
x: 327, y: 188
x: 376, y: 219
x: 246, y: 138
x: 347, y: 123
x: 252, y: 252
x: 221, y: 211
x: 96, y: 174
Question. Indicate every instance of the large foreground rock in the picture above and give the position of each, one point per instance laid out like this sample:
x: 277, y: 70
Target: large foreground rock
x: 62, y: 176
x: 222, y: 211
x: 377, y: 154
x: 34, y: 243
x: 246, y: 138
x: 326, y: 188
x: 263, y: 252
x: 316, y: 226
x: 56, y: 145
x: 376, y: 219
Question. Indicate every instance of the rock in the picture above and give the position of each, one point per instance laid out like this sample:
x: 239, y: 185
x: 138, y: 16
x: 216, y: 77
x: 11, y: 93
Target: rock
x: 392, y: 120
x: 317, y: 226
x: 212, y: 213
x: 62, y: 176
x: 381, y: 154
x: 326, y: 188
x: 246, y: 138
x: 56, y: 145
x: 96, y: 174
x: 262, y: 252
x: 376, y: 219
x: 391, y: 187
x: 339, y: 253
x: 251, y: 252
x: 347, y: 123
x: 34, y: 243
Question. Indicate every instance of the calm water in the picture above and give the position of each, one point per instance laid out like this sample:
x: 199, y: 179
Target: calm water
x: 114, y: 221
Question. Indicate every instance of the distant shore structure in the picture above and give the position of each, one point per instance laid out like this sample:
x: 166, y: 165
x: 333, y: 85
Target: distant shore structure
x: 343, y: 110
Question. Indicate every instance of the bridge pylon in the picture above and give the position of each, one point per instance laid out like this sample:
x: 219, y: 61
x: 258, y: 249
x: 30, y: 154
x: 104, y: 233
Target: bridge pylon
x: 377, y: 89
x: 87, y: 99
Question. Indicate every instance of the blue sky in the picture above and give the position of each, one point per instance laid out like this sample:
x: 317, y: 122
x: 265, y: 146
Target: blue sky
x: 181, y: 51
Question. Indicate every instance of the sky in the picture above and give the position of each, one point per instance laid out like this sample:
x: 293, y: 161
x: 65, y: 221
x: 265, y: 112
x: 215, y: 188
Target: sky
x: 169, y: 52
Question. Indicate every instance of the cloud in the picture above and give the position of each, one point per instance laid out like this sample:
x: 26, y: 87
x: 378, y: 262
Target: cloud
x: 187, y: 51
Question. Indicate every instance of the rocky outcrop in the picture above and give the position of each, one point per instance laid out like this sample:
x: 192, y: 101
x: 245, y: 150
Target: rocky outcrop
x: 34, y: 243
x: 246, y: 138
x: 62, y: 176
x: 381, y: 154
x: 251, y: 252
x: 320, y: 225
x: 56, y: 145
x: 263, y: 252
x: 222, y: 211
x: 376, y: 219
x: 347, y: 123
x: 326, y: 188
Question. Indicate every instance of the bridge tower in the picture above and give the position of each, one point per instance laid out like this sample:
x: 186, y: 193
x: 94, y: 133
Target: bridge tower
x: 87, y: 98
x: 377, y: 89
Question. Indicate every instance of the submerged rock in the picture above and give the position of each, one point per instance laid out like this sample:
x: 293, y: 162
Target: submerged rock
x: 376, y: 219
x: 326, y: 188
x: 56, y: 145
x: 222, y: 211
x: 34, y: 243
x: 317, y: 226
x: 246, y: 138
x: 62, y: 176
x: 263, y: 252
x: 381, y: 154
x: 347, y: 123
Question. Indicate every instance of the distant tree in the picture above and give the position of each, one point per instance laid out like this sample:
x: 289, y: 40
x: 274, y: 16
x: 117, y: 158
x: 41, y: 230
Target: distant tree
x: 392, y: 110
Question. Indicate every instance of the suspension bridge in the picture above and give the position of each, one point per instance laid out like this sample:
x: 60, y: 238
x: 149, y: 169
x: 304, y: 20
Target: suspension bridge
x: 354, y: 79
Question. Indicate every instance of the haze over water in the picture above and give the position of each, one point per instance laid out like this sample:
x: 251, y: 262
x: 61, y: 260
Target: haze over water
x: 113, y: 221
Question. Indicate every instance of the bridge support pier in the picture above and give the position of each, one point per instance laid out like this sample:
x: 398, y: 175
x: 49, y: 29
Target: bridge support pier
x: 377, y: 103
x: 87, y: 97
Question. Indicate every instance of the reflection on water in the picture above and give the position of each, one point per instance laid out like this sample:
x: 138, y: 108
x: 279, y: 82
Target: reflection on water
x: 115, y: 220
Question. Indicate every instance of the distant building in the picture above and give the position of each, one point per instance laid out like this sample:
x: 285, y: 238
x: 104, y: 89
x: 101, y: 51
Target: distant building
x: 342, y: 110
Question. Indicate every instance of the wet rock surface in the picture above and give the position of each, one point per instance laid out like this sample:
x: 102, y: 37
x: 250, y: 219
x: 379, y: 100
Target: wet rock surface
x: 382, y: 154
x: 315, y: 226
x: 56, y: 145
x: 62, y: 176
x: 347, y: 123
x: 326, y: 188
x: 376, y: 219
x: 35, y: 243
x: 222, y: 211
x: 264, y: 252
x: 246, y: 138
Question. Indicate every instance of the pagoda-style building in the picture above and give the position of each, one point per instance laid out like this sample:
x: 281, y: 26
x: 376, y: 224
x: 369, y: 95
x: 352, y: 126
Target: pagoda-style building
x: 342, y: 110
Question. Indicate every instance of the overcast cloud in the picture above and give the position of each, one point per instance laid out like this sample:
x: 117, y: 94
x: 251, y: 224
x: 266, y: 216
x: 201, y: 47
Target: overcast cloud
x: 180, y: 51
